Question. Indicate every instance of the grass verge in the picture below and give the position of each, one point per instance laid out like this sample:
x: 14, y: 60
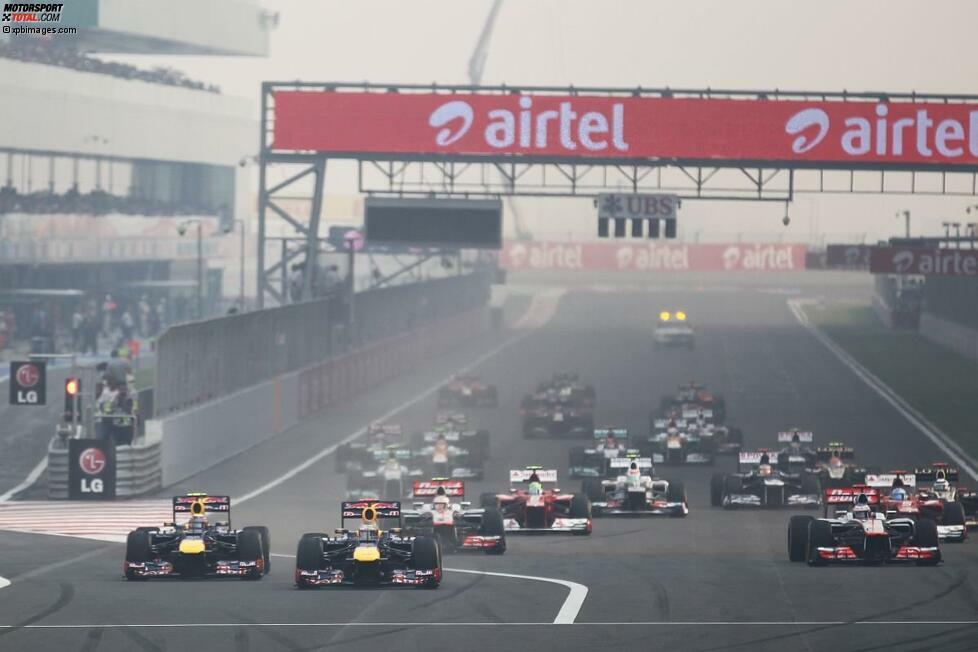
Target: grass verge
x: 939, y: 383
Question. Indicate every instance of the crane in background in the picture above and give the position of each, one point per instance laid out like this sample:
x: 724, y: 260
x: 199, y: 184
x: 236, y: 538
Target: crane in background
x: 477, y: 65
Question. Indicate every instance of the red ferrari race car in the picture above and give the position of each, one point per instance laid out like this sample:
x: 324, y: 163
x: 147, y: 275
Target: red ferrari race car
x: 539, y: 510
x: 904, y: 494
x: 469, y: 390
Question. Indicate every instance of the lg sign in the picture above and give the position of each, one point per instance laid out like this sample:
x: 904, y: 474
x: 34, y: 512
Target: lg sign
x: 624, y: 127
x: 28, y: 383
x: 91, y: 461
x: 91, y: 475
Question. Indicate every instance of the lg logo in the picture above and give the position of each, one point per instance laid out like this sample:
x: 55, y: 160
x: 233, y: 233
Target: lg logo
x: 92, y: 461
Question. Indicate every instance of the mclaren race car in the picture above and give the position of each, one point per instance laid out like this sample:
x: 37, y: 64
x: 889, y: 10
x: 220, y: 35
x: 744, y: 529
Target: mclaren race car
x: 592, y: 461
x: 860, y: 534
x: 443, y: 514
x: 760, y: 483
x: 929, y: 496
x: 467, y: 390
x: 369, y: 555
x: 635, y: 491
x: 673, y: 330
x: 198, y: 543
x: 534, y: 509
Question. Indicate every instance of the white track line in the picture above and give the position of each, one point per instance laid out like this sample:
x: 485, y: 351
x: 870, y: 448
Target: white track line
x: 4, y: 582
x: 329, y: 450
x: 28, y: 481
x: 680, y: 623
x: 568, y: 611
x: 940, y: 439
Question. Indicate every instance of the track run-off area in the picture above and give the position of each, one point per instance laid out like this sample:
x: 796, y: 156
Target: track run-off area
x: 715, y: 580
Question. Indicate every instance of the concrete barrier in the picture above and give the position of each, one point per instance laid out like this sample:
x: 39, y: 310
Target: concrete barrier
x: 958, y: 338
x: 212, y: 432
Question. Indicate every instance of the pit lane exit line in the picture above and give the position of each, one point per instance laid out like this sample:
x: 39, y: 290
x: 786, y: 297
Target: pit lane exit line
x: 568, y: 611
x: 531, y: 324
x: 947, y: 445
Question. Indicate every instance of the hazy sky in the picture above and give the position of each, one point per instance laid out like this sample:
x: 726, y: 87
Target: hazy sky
x: 896, y: 45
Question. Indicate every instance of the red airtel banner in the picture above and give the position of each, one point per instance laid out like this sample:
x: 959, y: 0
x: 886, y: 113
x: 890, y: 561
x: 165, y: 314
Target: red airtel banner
x: 625, y: 128
x: 925, y: 261
x: 651, y: 256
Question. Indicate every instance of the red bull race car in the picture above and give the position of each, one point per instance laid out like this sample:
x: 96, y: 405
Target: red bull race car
x: 200, y: 542
x: 528, y: 507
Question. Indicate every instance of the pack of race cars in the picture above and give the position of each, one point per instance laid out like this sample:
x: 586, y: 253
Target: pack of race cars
x: 408, y: 494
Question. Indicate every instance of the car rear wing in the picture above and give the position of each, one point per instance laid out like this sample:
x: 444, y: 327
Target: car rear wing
x: 695, y: 413
x: 826, y: 453
x: 523, y: 475
x: 617, y: 433
x: 426, y: 488
x: 665, y: 423
x: 805, y: 437
x: 753, y: 458
x: 885, y: 480
x: 849, y: 495
x: 449, y: 435
x: 188, y: 505
x: 385, y: 429
x: 625, y: 462
x: 387, y: 453
x: 382, y: 510
x: 930, y: 474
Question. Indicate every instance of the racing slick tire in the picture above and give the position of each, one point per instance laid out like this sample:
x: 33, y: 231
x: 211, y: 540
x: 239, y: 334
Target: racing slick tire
x: 798, y: 536
x: 811, y: 484
x: 480, y: 444
x: 137, y: 550
x: 308, y: 556
x: 343, y: 455
x: 492, y: 526
x: 732, y: 484
x: 819, y: 535
x: 925, y: 536
x: 426, y: 555
x: 489, y: 501
x: 266, y: 544
x: 392, y: 490
x: 250, y: 549
x: 953, y: 514
x: 676, y: 492
x: 580, y: 507
x: 716, y: 489
x: 577, y: 456
x: 592, y: 488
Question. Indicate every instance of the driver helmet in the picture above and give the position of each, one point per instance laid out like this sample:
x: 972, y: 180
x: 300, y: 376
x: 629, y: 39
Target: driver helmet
x: 835, y: 462
x: 440, y: 503
x: 898, y: 494
x: 795, y: 443
x: 610, y: 442
x: 941, y: 485
x: 764, y: 470
x: 861, y: 512
x: 441, y: 443
x: 197, y: 524
x: 535, y: 488
x: 672, y: 430
x: 633, y: 475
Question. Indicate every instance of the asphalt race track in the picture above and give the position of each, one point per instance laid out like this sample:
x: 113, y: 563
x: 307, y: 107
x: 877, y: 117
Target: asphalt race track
x: 716, y: 580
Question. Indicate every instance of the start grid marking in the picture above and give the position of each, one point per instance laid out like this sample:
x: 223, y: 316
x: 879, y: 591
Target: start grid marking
x: 97, y: 520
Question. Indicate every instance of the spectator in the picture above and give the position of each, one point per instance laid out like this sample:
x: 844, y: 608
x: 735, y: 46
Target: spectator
x: 90, y: 333
x: 127, y: 325
x: 77, y: 322
x: 144, y: 312
x: 296, y: 280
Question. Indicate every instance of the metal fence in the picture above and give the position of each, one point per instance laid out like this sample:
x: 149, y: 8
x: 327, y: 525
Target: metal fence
x: 202, y: 361
x: 953, y: 298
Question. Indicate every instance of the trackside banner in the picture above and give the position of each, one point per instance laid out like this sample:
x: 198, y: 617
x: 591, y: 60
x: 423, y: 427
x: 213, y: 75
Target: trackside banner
x: 626, y: 127
x: 925, y: 261
x: 652, y: 256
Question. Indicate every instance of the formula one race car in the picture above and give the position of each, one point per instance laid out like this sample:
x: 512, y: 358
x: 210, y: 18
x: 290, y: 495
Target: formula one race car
x: 467, y: 390
x: 673, y: 330
x: 557, y: 415
x: 860, y: 534
x: 360, y: 454
x: 797, y: 453
x: 696, y: 394
x: 635, y: 491
x: 760, y: 483
x: 456, y: 525
x: 835, y: 467
x: 570, y: 388
x: 673, y: 442
x: 538, y: 510
x: 368, y: 556
x: 902, y: 495
x: 441, y: 454
x: 393, y: 469
x: 198, y: 543
x: 475, y: 440
x: 592, y: 461
x: 944, y: 479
